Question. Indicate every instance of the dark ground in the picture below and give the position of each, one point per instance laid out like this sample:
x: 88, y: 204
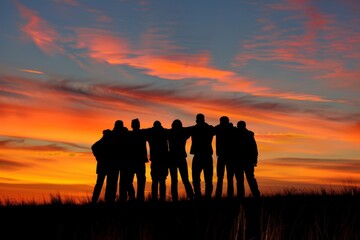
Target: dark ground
x: 276, y: 217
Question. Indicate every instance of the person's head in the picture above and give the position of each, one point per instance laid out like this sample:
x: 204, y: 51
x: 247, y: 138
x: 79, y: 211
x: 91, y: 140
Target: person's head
x: 119, y: 124
x: 106, y: 132
x: 157, y: 124
x: 135, y: 124
x: 200, y: 118
x: 224, y: 120
x: 176, y: 124
x: 241, y: 125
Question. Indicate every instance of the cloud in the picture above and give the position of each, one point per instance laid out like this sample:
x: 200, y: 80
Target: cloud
x: 307, y: 40
x: 338, y: 165
x: 9, y: 165
x: 106, y: 47
x: 303, y: 172
x: 39, y: 145
x: 32, y: 71
x: 53, y: 98
x: 39, y: 30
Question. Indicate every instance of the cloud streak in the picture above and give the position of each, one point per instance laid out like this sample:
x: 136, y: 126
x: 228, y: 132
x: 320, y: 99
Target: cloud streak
x: 105, y: 47
x: 38, y: 29
x: 32, y: 71
x: 317, y: 44
x: 11, y: 165
x: 117, y: 51
x: 38, y: 145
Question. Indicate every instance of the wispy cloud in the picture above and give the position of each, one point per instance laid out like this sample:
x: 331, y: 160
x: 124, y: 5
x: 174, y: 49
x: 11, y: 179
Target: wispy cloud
x: 344, y: 165
x: 307, y: 40
x: 32, y: 71
x: 325, y: 171
x: 11, y: 165
x: 79, y: 97
x: 106, y: 47
x: 24, y: 143
x: 39, y: 30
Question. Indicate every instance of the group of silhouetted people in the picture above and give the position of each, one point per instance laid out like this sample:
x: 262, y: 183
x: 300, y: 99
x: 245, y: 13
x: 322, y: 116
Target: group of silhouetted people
x: 121, y: 154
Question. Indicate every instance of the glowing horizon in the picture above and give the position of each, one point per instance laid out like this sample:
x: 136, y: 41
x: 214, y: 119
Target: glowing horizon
x: 69, y: 69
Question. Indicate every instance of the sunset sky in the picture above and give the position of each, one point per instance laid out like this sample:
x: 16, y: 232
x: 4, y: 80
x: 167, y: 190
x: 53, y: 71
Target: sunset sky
x: 71, y: 68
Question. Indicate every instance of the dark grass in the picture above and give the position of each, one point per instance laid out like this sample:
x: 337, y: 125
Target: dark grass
x: 290, y: 215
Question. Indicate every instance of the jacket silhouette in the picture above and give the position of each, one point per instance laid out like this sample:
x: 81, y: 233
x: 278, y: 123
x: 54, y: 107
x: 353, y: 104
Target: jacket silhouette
x: 159, y: 154
x: 246, y: 159
x: 103, y: 151
x: 138, y: 157
x: 201, y: 136
x: 121, y: 139
x: 177, y: 137
x: 225, y: 154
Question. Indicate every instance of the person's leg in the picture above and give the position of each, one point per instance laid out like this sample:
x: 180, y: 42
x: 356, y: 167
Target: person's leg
x: 98, y: 187
x: 141, y: 181
x: 111, y: 185
x: 154, y: 189
x: 183, y: 169
x: 196, y: 171
x: 123, y: 186
x: 163, y: 173
x: 131, y: 174
x: 208, y: 174
x: 162, y: 189
x: 230, y: 178
x: 220, y: 169
x: 250, y: 177
x: 239, y: 175
x: 154, y: 181
x: 126, y: 188
x: 174, y: 180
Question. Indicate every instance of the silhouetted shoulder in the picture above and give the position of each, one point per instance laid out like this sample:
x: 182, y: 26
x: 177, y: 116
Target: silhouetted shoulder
x: 251, y: 133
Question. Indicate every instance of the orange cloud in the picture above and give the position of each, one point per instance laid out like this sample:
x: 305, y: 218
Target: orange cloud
x: 321, y: 46
x: 87, y: 109
x: 32, y: 71
x: 175, y: 69
x: 105, y: 47
x: 39, y: 30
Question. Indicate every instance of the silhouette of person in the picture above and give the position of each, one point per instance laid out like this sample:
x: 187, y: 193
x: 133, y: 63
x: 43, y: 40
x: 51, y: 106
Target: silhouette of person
x: 177, y: 137
x: 120, y: 135
x: 138, y: 157
x: 159, y: 153
x: 247, y: 157
x: 103, y: 151
x: 201, y: 147
x: 224, y: 140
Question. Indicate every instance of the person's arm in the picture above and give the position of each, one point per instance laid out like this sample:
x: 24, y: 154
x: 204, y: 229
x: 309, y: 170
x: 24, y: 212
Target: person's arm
x: 189, y: 130
x: 254, y: 150
x: 96, y: 150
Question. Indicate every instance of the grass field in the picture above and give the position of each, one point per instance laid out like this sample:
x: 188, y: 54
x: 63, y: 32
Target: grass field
x: 289, y: 215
